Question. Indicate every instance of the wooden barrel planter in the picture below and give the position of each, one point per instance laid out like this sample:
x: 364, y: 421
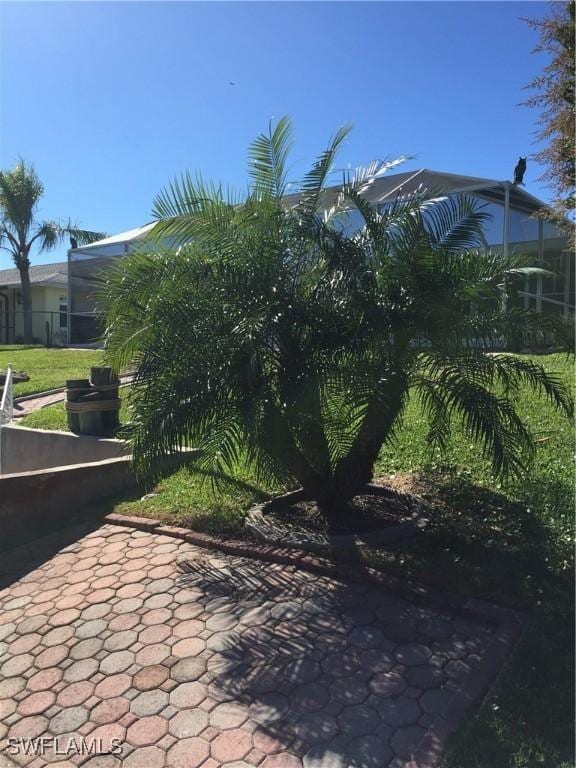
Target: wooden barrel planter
x: 93, y: 405
x: 106, y: 384
x: 75, y: 389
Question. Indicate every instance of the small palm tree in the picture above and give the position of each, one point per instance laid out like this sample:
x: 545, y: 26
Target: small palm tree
x: 262, y: 332
x: 20, y: 193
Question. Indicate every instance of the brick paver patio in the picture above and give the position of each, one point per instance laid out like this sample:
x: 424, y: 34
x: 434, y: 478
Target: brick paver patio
x: 237, y: 663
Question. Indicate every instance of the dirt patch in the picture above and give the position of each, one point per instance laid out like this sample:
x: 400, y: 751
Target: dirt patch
x: 380, y: 507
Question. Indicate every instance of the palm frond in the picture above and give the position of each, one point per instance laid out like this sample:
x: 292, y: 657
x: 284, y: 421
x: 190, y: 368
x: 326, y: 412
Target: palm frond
x: 20, y: 192
x: 268, y: 155
x: 315, y: 180
x: 82, y: 236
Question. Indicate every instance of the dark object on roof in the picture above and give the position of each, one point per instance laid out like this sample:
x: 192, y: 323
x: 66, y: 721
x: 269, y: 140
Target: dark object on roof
x: 73, y: 242
x: 519, y: 171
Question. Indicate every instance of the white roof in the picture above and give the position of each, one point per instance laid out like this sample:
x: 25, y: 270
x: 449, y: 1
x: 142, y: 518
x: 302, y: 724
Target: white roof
x: 129, y: 236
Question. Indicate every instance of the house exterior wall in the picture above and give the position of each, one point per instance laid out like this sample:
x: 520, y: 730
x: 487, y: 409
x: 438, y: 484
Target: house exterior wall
x: 46, y: 304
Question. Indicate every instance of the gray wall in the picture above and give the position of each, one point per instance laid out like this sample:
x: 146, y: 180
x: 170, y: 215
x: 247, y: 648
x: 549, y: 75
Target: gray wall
x: 27, y: 450
x: 36, y: 503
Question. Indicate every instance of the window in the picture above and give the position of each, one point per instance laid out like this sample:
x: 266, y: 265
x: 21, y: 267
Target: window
x: 63, y: 310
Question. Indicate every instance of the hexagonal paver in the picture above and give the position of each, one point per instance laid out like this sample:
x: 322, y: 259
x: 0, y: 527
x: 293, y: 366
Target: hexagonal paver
x: 108, y: 737
x: 310, y: 696
x: 187, y: 629
x: 115, y: 685
x: 109, y: 710
x: 75, y: 693
x: 388, y: 684
x: 86, y: 649
x: 145, y: 757
x: 359, y: 720
x: 239, y: 664
x: 425, y: 676
x: 302, y: 671
x: 187, y: 695
x: 231, y: 745
x: 36, y: 703
x: 116, y: 662
x: 229, y: 715
x: 156, y: 616
x: 366, y: 637
x: 45, y: 679
x: 412, y: 654
x: 154, y: 634
x: 81, y: 670
x: 221, y: 621
x: 153, y: 654
x: 269, y: 708
x: 68, y: 720
x: 150, y: 677
x: 316, y: 728
x: 405, y: 740
x: 399, y: 711
x: 120, y: 641
x: 187, y: 670
x: 28, y: 727
x: 15, y: 665
x: 147, y: 731
x: 368, y: 752
x: 351, y: 690
x: 189, y: 722
x: 190, y: 646
x: 434, y: 701
x: 188, y: 753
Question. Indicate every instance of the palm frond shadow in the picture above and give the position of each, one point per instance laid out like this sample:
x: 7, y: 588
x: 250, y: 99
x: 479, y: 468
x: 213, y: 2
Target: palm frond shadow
x: 284, y: 644
x: 222, y: 478
x: 486, y: 543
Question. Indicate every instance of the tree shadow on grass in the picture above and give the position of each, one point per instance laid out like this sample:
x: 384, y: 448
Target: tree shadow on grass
x: 482, y: 543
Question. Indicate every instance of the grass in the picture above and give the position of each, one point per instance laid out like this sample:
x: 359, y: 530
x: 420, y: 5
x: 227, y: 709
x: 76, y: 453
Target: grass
x: 47, y: 368
x: 507, y: 542
x: 54, y: 416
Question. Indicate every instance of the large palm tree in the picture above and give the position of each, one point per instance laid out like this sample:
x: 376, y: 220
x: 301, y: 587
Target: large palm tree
x: 20, y: 231
x: 262, y: 331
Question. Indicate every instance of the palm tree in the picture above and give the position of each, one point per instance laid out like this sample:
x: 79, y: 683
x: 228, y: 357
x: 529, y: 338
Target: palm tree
x: 262, y: 332
x: 20, y: 193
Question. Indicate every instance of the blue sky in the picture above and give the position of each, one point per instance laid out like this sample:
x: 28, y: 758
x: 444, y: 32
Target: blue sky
x: 111, y: 100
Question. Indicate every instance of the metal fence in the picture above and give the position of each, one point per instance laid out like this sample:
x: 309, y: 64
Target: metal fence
x: 49, y: 328
x: 6, y: 407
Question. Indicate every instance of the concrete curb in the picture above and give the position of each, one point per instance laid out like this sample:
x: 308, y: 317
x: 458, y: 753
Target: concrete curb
x: 473, y: 608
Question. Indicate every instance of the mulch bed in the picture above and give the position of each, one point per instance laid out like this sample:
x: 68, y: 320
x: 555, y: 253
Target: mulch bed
x: 378, y: 508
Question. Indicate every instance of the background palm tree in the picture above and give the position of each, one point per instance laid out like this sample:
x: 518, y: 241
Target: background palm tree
x: 20, y: 193
x: 262, y: 332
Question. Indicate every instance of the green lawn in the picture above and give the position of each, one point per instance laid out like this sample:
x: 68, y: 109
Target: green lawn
x: 507, y: 542
x: 47, y: 368
x: 54, y: 416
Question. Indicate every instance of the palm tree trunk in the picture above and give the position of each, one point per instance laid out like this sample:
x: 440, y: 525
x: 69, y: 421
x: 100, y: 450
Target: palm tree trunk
x: 26, y: 302
x: 355, y: 470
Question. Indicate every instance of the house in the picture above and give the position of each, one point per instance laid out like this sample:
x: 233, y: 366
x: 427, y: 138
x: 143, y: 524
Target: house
x: 514, y: 225
x: 49, y: 284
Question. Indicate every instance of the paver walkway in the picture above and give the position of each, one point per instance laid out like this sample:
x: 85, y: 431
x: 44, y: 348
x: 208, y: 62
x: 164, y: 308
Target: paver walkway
x: 43, y: 400
x: 237, y: 663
